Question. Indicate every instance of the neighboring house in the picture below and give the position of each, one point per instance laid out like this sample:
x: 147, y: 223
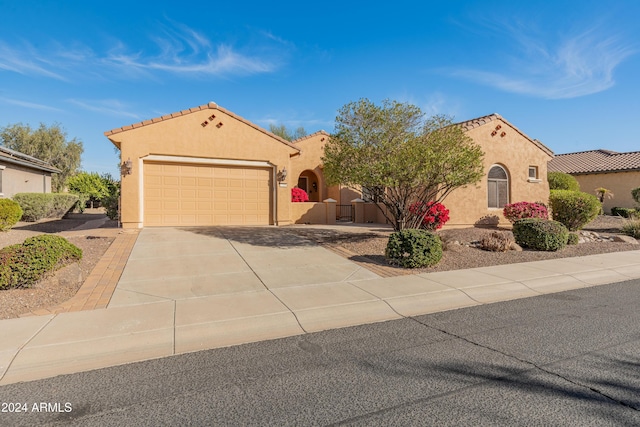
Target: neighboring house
x: 20, y: 173
x: 618, y: 172
x: 208, y: 166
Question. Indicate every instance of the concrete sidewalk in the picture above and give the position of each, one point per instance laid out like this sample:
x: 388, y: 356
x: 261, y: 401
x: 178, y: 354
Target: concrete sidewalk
x: 185, y: 290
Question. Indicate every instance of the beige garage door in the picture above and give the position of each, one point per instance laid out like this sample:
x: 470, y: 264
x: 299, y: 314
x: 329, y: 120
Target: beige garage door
x: 188, y: 194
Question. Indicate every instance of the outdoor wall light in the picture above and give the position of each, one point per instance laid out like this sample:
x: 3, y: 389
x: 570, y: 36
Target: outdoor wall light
x: 315, y: 186
x: 126, y: 167
x: 282, y: 175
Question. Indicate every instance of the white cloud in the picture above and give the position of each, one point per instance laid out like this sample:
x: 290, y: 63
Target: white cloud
x: 31, y: 105
x: 26, y: 61
x: 110, y: 107
x: 577, y: 65
x: 175, y: 49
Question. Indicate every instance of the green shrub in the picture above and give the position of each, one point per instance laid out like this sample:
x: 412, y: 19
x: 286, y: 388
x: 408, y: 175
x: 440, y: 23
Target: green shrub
x: 632, y: 228
x: 10, y: 213
x: 635, y: 193
x: 414, y: 248
x: 111, y: 201
x: 623, y: 212
x: 36, y: 206
x: 540, y: 234
x: 573, y: 239
x: 562, y: 181
x: 574, y: 209
x: 24, y: 264
x: 496, y: 241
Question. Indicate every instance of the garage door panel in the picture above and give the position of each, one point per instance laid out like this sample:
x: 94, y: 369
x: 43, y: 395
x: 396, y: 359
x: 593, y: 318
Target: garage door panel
x: 176, y: 194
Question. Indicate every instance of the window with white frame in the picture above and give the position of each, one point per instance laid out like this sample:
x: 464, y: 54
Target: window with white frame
x: 498, y: 187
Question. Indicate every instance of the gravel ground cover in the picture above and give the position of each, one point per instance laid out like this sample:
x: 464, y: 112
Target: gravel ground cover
x: 63, y: 284
x: 372, y: 244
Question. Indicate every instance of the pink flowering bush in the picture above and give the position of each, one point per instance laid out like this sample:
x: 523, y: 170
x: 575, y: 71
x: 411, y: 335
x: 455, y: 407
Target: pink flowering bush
x: 521, y: 210
x: 434, y: 214
x: 299, y: 195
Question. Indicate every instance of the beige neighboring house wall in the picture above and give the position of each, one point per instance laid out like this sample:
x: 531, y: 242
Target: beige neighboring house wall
x: 20, y: 173
x: 618, y: 172
x: 506, y: 146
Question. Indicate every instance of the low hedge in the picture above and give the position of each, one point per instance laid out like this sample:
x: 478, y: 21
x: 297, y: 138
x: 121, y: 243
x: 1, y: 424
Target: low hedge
x: 623, y: 212
x: 36, y: 206
x: 540, y: 234
x: 10, y: 214
x: 414, y: 248
x: 24, y: 264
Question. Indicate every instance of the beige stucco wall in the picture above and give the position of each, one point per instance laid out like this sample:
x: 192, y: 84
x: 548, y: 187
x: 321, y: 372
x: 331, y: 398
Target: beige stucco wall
x: 620, y: 183
x: 184, y: 135
x: 515, y: 153
x: 18, y: 179
x: 309, y: 213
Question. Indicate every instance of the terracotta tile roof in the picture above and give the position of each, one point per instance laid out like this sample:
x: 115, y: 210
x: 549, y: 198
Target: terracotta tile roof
x: 210, y: 105
x: 480, y: 121
x: 18, y: 158
x: 595, y: 161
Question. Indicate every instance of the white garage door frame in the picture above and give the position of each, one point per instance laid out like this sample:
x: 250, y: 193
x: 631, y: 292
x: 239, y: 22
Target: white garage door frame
x: 206, y: 161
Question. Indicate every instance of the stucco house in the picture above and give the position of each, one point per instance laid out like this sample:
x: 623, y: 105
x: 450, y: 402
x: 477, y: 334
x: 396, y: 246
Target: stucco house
x: 20, y: 173
x: 209, y: 166
x: 618, y: 172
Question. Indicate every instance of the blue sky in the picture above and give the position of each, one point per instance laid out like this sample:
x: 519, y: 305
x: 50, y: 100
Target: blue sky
x: 564, y: 72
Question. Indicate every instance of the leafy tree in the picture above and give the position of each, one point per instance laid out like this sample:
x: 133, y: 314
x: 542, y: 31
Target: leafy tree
x: 400, y: 157
x: 88, y: 186
x: 46, y: 143
x: 283, y: 132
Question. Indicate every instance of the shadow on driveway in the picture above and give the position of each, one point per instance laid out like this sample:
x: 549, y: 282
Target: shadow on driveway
x: 281, y: 236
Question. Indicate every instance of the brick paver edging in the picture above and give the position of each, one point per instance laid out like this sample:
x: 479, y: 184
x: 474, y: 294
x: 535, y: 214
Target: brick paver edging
x: 364, y: 262
x: 97, y: 289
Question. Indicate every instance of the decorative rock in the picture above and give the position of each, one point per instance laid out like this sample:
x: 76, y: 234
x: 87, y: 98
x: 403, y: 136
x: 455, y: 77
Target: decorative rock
x: 625, y: 239
x: 515, y: 247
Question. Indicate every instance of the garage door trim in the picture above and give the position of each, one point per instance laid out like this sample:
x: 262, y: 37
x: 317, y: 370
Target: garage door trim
x: 207, y: 161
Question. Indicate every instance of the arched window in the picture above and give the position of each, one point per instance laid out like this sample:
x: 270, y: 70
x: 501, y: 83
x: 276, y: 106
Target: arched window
x: 498, y: 185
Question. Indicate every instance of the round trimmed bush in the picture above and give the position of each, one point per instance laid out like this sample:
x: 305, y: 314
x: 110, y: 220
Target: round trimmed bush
x: 574, y: 209
x: 23, y: 264
x: 540, y: 234
x: 10, y: 214
x: 562, y: 181
x: 573, y: 239
x: 414, y: 248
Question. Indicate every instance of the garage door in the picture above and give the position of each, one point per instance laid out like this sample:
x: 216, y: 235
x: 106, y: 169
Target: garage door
x: 188, y: 194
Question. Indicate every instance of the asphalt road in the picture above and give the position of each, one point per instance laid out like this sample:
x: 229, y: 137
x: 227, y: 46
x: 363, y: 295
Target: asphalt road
x: 571, y: 358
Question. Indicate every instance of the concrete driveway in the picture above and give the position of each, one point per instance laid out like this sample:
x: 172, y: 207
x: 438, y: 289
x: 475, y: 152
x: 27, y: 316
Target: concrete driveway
x: 263, y: 282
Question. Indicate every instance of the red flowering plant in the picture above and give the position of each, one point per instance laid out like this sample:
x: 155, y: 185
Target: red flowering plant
x: 434, y: 214
x: 520, y: 210
x: 299, y: 195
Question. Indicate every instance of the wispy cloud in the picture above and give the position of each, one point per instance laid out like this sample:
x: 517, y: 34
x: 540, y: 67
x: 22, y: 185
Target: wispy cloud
x: 110, y: 107
x: 175, y: 49
x: 26, y: 60
x: 31, y: 105
x: 576, y: 65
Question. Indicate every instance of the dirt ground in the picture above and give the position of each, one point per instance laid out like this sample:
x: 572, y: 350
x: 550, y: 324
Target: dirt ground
x: 370, y: 246
x: 63, y: 284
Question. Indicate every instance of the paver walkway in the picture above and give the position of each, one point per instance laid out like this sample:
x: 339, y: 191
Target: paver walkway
x: 185, y: 290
